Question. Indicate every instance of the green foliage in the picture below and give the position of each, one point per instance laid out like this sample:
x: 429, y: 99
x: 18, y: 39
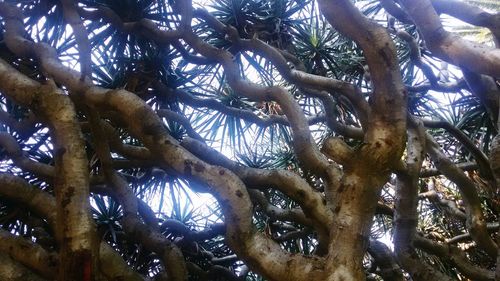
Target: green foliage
x: 136, y: 63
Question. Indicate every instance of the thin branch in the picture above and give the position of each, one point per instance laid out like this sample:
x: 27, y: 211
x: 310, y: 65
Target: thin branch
x: 13, y: 150
x: 481, y: 159
x: 81, y: 37
x: 275, y: 213
x: 466, y: 166
x: 456, y: 257
x: 475, y: 217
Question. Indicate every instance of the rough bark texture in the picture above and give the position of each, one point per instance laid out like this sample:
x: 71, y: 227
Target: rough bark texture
x: 333, y: 195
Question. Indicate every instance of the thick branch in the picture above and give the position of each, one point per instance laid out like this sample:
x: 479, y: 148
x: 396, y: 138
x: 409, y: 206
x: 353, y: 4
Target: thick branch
x: 149, y: 235
x: 71, y: 177
x: 449, y: 47
x: 470, y: 14
x: 259, y: 251
x: 385, y: 260
x: 383, y: 144
x: 43, y: 204
x: 29, y: 254
x: 287, y: 182
x: 11, y: 270
x: 406, y: 217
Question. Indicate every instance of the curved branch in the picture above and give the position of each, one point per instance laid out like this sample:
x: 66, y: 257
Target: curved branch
x: 485, y: 88
x: 466, y: 236
x: 470, y: 14
x: 456, y: 257
x: 250, y: 116
x: 144, y: 27
x: 25, y: 128
x: 114, y: 267
x: 303, y: 143
x: 129, y: 151
x: 449, y: 47
x: 149, y: 236
x: 29, y: 254
x: 292, y: 185
x: 385, y: 260
x: 11, y: 270
x: 384, y: 136
x: 81, y: 37
x: 43, y: 204
x: 19, y: 190
x: 191, y: 235
x: 14, y: 151
x: 481, y: 159
x: 394, y: 10
x: 215, y: 271
x: 405, y: 217
x: 451, y: 87
x: 449, y: 206
x: 292, y: 215
x: 416, y: 57
x: 475, y: 217
x: 466, y: 166
x: 260, y: 252
x: 71, y: 178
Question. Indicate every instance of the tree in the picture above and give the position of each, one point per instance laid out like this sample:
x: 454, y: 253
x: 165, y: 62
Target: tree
x: 481, y: 34
x: 321, y: 128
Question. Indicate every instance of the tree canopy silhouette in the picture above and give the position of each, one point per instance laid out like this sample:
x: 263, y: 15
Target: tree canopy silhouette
x: 328, y: 140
